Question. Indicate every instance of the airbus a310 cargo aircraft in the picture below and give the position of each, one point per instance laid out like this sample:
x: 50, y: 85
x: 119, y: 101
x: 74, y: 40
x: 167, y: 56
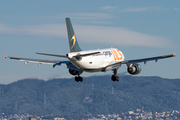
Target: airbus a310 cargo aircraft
x: 100, y: 60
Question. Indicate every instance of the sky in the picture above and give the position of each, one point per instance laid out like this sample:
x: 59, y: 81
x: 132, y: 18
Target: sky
x: 139, y: 29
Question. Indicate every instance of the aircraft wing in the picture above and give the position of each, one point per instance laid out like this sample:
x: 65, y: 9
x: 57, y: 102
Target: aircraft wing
x: 39, y: 61
x: 127, y: 62
x: 147, y: 59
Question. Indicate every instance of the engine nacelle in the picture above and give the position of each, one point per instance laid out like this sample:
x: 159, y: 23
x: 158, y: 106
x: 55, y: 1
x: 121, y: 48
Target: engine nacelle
x: 74, y: 72
x: 134, y: 69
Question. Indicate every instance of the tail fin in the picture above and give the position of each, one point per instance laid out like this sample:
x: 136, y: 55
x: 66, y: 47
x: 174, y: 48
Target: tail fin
x: 73, y: 44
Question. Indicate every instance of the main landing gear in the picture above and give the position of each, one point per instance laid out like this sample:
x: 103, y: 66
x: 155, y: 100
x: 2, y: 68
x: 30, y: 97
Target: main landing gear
x: 78, y: 79
x: 115, y: 77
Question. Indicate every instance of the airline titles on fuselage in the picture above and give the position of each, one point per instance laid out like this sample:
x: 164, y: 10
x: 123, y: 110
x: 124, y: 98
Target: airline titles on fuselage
x: 105, y: 53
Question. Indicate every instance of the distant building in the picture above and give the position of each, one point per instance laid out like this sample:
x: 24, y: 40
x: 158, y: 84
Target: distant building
x: 138, y: 110
x: 131, y: 112
x: 119, y: 118
x: 59, y: 118
x: 32, y: 117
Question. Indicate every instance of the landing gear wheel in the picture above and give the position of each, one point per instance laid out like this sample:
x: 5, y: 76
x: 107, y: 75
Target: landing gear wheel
x: 114, y: 78
x: 117, y: 78
x: 77, y: 79
x: 80, y: 79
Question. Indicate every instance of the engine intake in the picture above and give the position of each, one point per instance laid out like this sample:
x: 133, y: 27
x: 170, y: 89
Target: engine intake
x: 134, y: 69
x: 74, y: 72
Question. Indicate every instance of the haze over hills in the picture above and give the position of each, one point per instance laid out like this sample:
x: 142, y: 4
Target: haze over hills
x: 95, y: 95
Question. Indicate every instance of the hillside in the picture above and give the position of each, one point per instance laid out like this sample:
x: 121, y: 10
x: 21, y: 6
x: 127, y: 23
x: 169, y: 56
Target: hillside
x: 95, y: 95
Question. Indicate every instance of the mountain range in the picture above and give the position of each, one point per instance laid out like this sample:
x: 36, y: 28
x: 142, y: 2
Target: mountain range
x: 95, y: 95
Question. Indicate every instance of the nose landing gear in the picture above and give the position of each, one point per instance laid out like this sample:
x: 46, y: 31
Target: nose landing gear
x: 78, y: 79
x: 115, y: 77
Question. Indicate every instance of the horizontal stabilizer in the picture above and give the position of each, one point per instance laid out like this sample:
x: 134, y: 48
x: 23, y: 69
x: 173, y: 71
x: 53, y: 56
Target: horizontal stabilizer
x: 79, y: 56
x: 88, y: 54
x: 52, y: 55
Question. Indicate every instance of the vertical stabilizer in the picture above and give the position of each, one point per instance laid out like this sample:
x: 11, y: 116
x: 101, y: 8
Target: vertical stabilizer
x: 73, y: 43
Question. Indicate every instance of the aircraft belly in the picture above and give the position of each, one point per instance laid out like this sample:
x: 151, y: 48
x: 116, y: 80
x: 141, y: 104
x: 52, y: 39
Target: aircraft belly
x: 94, y: 64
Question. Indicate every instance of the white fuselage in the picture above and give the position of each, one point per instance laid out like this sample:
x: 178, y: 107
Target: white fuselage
x: 96, y: 62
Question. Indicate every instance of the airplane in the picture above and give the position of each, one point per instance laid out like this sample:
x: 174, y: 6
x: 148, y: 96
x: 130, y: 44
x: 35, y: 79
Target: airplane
x: 100, y: 60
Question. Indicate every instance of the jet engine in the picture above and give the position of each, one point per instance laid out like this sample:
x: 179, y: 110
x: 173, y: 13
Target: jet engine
x: 134, y: 69
x: 74, y: 72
